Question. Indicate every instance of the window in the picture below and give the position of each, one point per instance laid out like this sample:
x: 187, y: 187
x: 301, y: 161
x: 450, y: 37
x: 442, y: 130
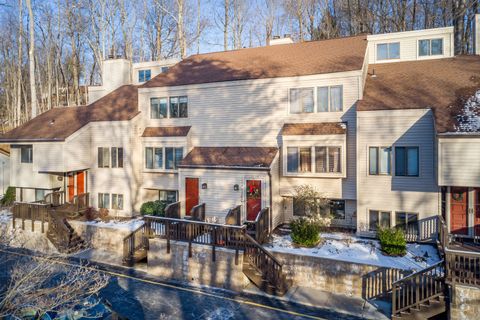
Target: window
x: 330, y: 99
x: 337, y: 209
x: 301, y: 100
x: 117, y: 201
x: 173, y: 156
x: 299, y: 159
x: 158, y: 108
x: 26, y: 154
x: 430, y: 47
x: 144, y: 75
x: 179, y: 107
x: 406, y: 161
x: 104, y: 200
x: 153, y: 158
x: 408, y: 222
x: 117, y: 157
x: 169, y: 196
x: 379, y: 160
x: 378, y: 219
x: 164, y: 69
x: 40, y: 194
x: 387, y: 51
x: 328, y: 159
x: 103, y: 157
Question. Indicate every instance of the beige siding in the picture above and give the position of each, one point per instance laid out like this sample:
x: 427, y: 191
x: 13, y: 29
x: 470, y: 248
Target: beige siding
x: 459, y: 161
x: 4, y: 173
x: 277, y: 201
x: 76, y: 151
x: 25, y: 175
x: 48, y: 157
x: 391, y: 193
x: 409, y: 44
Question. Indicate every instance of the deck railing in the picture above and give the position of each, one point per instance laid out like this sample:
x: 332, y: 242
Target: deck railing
x: 260, y: 227
x: 173, y: 210
x: 379, y: 283
x: 197, y: 213
x: 417, y: 288
x: 425, y: 230
x: 134, y: 242
x: 463, y: 267
x: 196, y: 232
x: 234, y: 216
x: 82, y: 201
x: 55, y: 198
x: 31, y: 211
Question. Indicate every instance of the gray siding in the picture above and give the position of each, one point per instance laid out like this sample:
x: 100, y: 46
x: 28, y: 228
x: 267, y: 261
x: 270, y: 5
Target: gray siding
x: 459, y: 161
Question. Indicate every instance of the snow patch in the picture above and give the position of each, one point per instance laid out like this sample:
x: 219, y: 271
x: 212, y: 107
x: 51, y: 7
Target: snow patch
x: 5, y: 216
x: 344, y: 247
x: 129, y: 225
x: 469, y: 119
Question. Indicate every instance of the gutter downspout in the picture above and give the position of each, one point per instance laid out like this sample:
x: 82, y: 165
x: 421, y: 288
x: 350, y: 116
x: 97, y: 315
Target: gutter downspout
x: 271, y: 202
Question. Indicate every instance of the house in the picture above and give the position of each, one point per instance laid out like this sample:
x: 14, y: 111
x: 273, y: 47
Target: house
x: 4, y: 168
x: 374, y: 122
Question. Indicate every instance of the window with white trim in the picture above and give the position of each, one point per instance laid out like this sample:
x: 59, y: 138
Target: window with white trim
x: 378, y: 219
x: 330, y: 99
x: 325, y: 159
x: 430, y: 47
x: 407, y: 221
x: 117, y: 201
x: 104, y: 201
x: 407, y: 161
x: 144, y: 75
x: 301, y: 100
x: 379, y: 160
x: 316, y: 99
x: 26, y: 154
x: 155, y: 159
x: 169, y: 107
x: 387, y: 51
x: 110, y: 157
x: 169, y: 196
x: 158, y: 108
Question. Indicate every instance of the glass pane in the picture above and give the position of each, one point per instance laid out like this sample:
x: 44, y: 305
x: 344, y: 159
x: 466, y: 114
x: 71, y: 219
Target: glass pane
x: 158, y: 161
x: 338, y: 209
x: 26, y: 154
x: 148, y: 75
x: 100, y: 200
x: 412, y: 223
x: 400, y: 161
x: 114, y: 201
x: 39, y: 194
x: 120, y: 157
x: 412, y: 164
x: 320, y: 159
x: 424, y: 47
x: 294, y: 101
x: 154, y: 108
x: 384, y: 159
x: 174, y: 107
x: 373, y: 167
x: 141, y: 76
x: 100, y: 157
x: 322, y: 99
x: 400, y: 219
x: 292, y: 159
x: 178, y: 156
x: 307, y: 100
x: 394, y: 50
x: 114, y: 157
x: 382, y: 51
x: 437, y: 46
x: 385, y: 219
x: 334, y: 160
x: 169, y: 158
x: 162, y: 109
x: 106, y: 158
x: 373, y: 220
x: 336, y: 98
x: 183, y: 107
x: 120, y: 202
x: 106, y: 200
x: 149, y: 158
x: 305, y: 160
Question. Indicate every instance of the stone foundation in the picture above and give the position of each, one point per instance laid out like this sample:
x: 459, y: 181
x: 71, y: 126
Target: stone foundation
x: 466, y: 303
x: 199, y: 269
x: 108, y: 239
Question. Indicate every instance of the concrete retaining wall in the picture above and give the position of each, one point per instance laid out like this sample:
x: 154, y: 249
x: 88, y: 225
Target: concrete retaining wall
x: 466, y: 303
x: 199, y: 269
x: 108, y: 239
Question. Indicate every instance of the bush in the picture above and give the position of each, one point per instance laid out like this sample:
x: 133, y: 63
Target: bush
x: 305, y: 232
x: 8, y: 198
x: 154, y: 208
x: 392, y: 241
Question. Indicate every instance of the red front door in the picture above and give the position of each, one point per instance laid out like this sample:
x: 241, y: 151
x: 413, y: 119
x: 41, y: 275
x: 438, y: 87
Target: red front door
x: 71, y: 187
x: 459, y: 210
x: 191, y: 194
x: 476, y: 207
x: 254, y: 198
x: 81, y: 182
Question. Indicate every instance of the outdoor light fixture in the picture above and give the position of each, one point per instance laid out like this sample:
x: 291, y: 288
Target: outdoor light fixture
x: 204, y: 185
x: 235, y: 187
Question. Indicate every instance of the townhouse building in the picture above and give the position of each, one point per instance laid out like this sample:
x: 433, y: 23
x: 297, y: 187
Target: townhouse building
x: 376, y: 123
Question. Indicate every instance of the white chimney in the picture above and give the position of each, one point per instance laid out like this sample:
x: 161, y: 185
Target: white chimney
x: 476, y: 34
x: 277, y: 40
x: 115, y: 73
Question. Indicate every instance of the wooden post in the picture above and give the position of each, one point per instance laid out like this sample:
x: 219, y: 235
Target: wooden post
x: 189, y: 235
x: 167, y: 233
x: 214, y: 240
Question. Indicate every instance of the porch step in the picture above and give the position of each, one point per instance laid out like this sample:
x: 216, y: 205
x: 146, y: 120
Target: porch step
x: 138, y: 256
x: 429, y: 309
x: 260, y: 280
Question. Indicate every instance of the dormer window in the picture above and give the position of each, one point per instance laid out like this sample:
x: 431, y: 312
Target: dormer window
x: 144, y: 75
x: 430, y: 47
x: 26, y: 154
x: 164, y: 69
x: 388, y: 51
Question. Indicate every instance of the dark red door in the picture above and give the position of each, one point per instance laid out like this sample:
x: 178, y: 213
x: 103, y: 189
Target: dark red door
x: 191, y: 194
x: 254, y: 199
x: 81, y: 182
x: 477, y: 211
x: 459, y: 210
x: 71, y: 187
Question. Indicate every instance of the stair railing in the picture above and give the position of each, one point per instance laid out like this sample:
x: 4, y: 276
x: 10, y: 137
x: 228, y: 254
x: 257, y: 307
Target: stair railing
x: 417, y: 288
x: 260, y: 227
x: 463, y: 267
x: 264, y: 262
x: 58, y: 233
x: 134, y: 242
x: 55, y: 198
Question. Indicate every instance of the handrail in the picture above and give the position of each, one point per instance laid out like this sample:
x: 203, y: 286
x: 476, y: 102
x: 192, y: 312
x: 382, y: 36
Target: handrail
x: 173, y: 210
x: 136, y: 240
x: 266, y: 252
x: 149, y: 217
x: 57, y: 198
x: 412, y: 275
x: 233, y: 216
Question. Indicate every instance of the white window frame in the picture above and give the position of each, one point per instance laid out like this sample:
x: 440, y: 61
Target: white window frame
x: 390, y: 212
x: 430, y: 55
x: 164, y: 146
x: 315, y: 100
x: 114, y: 206
x: 388, y: 51
x: 144, y: 71
x: 368, y: 160
x: 169, y: 115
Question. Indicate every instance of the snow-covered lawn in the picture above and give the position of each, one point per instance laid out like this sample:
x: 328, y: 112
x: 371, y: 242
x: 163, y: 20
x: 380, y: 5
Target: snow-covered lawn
x: 5, y: 216
x: 130, y: 225
x: 345, y: 247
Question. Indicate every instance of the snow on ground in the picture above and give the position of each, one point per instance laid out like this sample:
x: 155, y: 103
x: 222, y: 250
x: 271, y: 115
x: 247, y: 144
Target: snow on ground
x: 130, y: 225
x: 344, y: 247
x: 469, y: 119
x: 5, y: 216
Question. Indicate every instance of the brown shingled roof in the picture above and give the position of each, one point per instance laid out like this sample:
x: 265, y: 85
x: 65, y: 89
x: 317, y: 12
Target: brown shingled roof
x: 287, y: 60
x: 441, y: 84
x: 320, y: 128
x: 166, y: 131
x: 230, y: 157
x: 59, y: 123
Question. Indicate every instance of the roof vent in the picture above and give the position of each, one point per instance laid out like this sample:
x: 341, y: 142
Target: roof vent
x: 373, y: 75
x: 52, y: 122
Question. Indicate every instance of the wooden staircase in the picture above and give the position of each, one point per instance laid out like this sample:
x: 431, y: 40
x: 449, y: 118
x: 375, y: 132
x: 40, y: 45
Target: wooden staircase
x: 263, y: 269
x: 421, y: 295
x: 63, y: 236
x: 135, y: 245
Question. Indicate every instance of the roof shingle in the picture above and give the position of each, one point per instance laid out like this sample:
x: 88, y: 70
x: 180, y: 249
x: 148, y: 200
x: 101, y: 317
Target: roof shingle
x: 320, y: 128
x: 166, y: 131
x: 287, y: 60
x: 230, y: 157
x: 441, y: 84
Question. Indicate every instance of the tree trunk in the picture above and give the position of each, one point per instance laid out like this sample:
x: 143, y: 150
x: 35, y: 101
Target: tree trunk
x: 31, y: 59
x: 225, y: 26
x: 458, y: 13
x: 19, y: 64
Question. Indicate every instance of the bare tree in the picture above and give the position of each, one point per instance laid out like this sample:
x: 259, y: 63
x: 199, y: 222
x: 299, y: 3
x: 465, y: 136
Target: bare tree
x: 31, y: 59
